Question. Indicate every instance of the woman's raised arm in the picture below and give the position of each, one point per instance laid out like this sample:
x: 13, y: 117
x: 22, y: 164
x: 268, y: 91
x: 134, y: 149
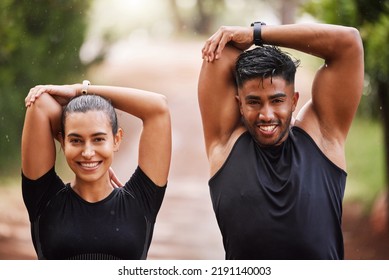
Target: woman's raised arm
x: 41, y: 127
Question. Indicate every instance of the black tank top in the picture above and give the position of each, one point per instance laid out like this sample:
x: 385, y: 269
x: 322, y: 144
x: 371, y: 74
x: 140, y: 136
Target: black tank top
x: 283, y: 202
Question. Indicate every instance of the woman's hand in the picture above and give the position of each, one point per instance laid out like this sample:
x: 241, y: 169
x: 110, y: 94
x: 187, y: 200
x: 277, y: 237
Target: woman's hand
x: 239, y: 37
x: 62, y: 94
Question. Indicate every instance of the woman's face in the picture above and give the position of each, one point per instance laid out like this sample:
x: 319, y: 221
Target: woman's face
x: 89, y: 145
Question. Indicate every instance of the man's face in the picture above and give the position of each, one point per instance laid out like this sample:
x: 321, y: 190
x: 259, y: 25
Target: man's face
x: 266, y: 107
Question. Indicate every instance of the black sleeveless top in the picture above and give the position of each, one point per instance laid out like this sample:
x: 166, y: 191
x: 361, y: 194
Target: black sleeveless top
x: 283, y: 202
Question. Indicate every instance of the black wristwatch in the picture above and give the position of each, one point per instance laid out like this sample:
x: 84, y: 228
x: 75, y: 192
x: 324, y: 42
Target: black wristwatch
x: 257, y: 32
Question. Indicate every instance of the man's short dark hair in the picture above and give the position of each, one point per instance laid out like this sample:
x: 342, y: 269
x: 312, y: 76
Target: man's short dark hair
x: 265, y: 62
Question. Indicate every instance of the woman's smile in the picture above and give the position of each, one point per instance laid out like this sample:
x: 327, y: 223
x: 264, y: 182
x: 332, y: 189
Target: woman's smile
x: 90, y: 165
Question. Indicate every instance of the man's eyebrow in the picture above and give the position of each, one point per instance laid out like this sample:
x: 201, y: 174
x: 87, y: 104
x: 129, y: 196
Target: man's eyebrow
x: 278, y: 95
x: 255, y: 97
x: 274, y: 96
x: 93, y: 135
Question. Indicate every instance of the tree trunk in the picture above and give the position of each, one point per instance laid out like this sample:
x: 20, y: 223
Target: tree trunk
x: 207, y: 11
x: 383, y: 95
x: 177, y: 19
x: 288, y: 11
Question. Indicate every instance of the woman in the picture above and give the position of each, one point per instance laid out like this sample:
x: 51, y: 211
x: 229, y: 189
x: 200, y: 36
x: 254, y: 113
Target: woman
x: 91, y: 218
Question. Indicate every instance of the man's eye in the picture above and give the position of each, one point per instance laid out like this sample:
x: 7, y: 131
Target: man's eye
x: 252, y: 102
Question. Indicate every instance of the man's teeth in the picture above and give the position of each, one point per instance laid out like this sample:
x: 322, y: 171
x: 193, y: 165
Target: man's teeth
x: 268, y: 127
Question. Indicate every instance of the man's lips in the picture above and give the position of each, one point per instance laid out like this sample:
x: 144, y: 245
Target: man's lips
x: 267, y: 129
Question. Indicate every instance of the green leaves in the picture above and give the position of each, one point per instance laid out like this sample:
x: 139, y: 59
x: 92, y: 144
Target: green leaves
x: 40, y: 42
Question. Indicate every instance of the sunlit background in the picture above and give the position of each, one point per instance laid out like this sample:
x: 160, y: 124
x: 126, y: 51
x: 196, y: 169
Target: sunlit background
x: 156, y: 45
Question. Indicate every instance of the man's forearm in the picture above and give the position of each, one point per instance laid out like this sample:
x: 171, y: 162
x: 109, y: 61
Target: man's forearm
x: 322, y: 40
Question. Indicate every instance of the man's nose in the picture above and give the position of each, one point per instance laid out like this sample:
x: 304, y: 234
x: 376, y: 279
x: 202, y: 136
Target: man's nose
x: 266, y: 114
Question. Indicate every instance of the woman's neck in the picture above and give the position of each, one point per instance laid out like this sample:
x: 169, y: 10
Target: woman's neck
x: 93, y: 191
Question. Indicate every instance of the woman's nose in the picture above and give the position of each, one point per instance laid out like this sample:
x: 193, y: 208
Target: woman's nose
x: 88, y: 151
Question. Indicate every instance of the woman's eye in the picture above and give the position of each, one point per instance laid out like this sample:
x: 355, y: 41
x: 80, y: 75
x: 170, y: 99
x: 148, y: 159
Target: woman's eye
x: 75, y: 141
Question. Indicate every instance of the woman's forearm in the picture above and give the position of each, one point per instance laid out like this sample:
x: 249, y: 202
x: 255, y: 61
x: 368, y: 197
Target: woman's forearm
x: 139, y: 103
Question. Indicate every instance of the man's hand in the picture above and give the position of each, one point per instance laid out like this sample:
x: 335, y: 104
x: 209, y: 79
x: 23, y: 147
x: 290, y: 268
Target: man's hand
x: 239, y: 37
x: 115, y: 182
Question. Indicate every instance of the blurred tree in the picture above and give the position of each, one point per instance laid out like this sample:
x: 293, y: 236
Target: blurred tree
x: 372, y: 19
x: 40, y: 42
x: 286, y: 9
x: 206, y: 10
x: 201, y: 21
x: 200, y: 16
x: 178, y: 21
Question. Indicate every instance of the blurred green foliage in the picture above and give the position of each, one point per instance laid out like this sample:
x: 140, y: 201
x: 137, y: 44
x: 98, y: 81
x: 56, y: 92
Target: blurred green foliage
x: 40, y: 43
x: 372, y: 20
x: 365, y: 162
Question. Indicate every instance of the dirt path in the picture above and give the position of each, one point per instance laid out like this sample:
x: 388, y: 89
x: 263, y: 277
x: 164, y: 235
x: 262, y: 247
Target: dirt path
x: 186, y: 227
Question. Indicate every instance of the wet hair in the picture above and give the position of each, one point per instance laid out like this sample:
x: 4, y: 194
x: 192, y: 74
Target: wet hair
x: 265, y: 62
x: 90, y: 102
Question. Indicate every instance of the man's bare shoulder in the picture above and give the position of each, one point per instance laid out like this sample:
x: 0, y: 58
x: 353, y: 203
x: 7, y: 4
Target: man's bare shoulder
x: 220, y: 151
x: 329, y: 144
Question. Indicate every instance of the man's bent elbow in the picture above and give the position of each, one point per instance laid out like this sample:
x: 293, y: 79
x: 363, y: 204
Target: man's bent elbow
x: 352, y: 40
x: 161, y: 107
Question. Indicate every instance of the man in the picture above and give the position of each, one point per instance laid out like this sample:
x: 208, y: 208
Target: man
x: 277, y: 184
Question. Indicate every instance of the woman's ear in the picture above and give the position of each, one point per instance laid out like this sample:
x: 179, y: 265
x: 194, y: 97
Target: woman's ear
x: 117, y: 139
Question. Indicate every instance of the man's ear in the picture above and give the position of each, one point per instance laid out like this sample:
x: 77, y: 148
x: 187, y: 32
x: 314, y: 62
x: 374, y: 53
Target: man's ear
x: 295, y: 97
x: 239, y: 103
x: 117, y: 139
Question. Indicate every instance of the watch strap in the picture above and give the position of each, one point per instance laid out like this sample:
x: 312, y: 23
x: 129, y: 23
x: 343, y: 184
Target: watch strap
x: 257, y: 35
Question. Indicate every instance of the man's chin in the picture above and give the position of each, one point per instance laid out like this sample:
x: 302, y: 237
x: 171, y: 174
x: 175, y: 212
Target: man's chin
x: 268, y: 143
